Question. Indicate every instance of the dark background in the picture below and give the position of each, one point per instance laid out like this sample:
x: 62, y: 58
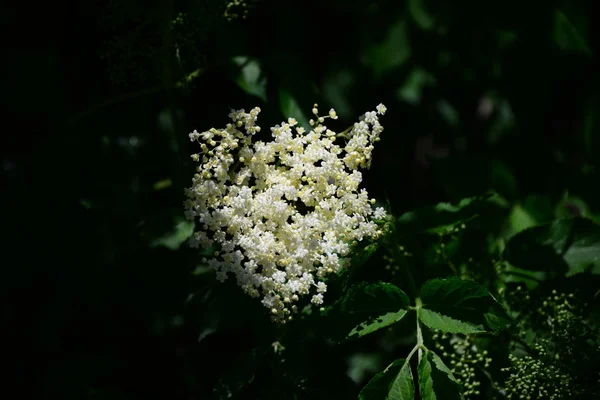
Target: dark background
x: 101, y: 301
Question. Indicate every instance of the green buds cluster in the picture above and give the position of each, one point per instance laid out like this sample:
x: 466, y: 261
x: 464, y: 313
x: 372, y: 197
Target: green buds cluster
x: 464, y: 359
x: 560, y: 363
x: 533, y: 378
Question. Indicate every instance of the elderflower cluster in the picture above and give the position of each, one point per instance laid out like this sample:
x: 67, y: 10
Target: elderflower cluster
x: 282, y: 215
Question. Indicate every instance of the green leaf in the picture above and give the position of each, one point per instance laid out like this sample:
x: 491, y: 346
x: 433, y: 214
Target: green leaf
x: 567, y: 36
x: 290, y: 108
x: 167, y: 228
x: 570, y: 206
x: 520, y: 219
x: 412, y: 89
x: 180, y: 233
x: 394, y: 383
x: 337, y: 86
x: 435, y: 320
x: 420, y: 15
x: 448, y: 112
x: 460, y: 306
x: 566, y: 246
x: 443, y: 216
x: 436, y: 380
x: 250, y: 78
x: 368, y: 307
x: 517, y: 275
x: 394, y: 51
x: 532, y: 211
x: 162, y: 184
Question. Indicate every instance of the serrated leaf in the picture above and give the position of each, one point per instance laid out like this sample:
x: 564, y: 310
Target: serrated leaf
x: 435, y: 320
x: 566, y: 246
x: 394, y: 383
x: 520, y: 219
x: 533, y: 211
x: 436, y: 381
x: 460, y: 306
x: 443, y: 216
x: 368, y: 307
x: 425, y: 379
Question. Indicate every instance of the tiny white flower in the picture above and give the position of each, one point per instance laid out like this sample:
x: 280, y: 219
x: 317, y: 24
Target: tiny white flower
x: 321, y: 287
x: 379, y: 213
x: 194, y: 136
x: 317, y: 299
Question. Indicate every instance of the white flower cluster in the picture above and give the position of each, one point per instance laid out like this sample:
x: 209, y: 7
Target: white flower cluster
x: 282, y: 214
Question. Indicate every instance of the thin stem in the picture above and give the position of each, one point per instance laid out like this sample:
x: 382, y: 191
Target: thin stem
x: 419, y: 332
x: 408, y: 357
x: 343, y: 133
x: 417, y: 347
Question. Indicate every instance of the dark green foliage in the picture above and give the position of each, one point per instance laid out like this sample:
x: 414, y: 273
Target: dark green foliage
x: 436, y: 380
x: 562, y: 347
x: 461, y: 306
x: 394, y: 383
x: 443, y: 217
x: 565, y: 247
x: 103, y: 299
x: 367, y: 307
